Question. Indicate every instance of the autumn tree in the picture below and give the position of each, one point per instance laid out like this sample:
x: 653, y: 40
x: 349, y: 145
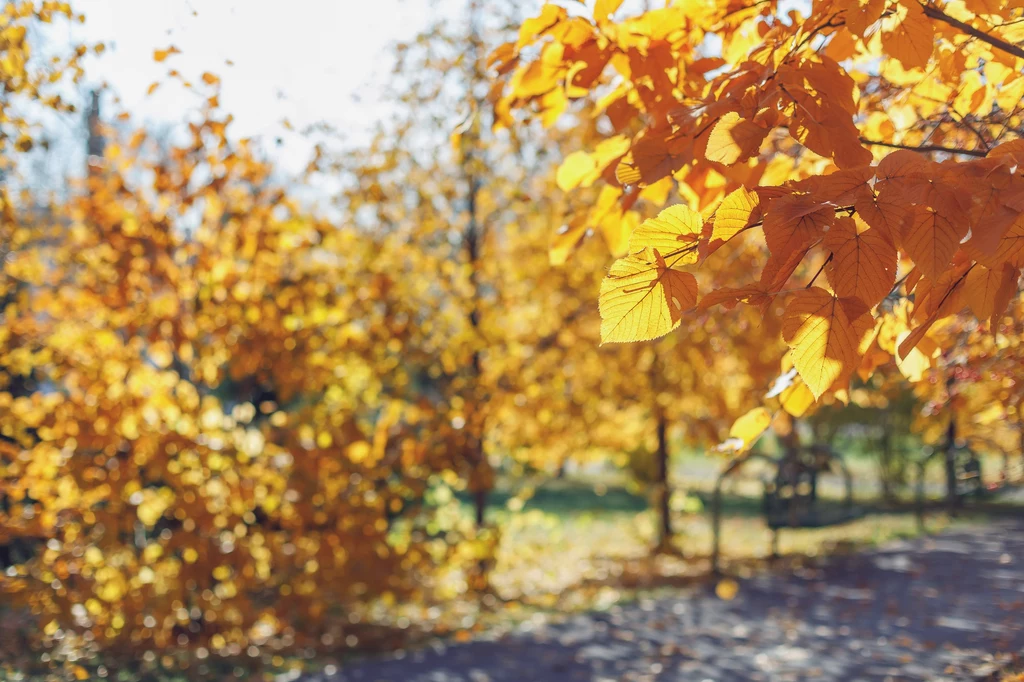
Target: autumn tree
x: 200, y: 434
x: 779, y: 129
x: 460, y: 200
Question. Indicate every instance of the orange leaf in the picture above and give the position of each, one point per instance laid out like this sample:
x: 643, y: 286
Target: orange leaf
x: 931, y: 239
x: 860, y: 14
x: 988, y: 292
x: 885, y: 212
x: 729, y: 297
x: 1009, y: 249
x: 908, y: 35
x: 863, y: 262
x: 161, y: 55
x: 794, y: 221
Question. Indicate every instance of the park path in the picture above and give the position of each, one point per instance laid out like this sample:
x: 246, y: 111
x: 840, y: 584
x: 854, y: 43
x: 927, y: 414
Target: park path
x: 932, y: 608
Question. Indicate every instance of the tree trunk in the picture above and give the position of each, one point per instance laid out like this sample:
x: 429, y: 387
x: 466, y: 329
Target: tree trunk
x: 951, y: 496
x: 664, y: 490
x: 886, y: 464
x: 480, y: 505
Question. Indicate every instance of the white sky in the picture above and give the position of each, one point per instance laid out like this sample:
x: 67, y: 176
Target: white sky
x: 296, y: 59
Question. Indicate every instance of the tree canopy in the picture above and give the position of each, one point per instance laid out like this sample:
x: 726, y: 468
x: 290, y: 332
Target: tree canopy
x: 868, y: 153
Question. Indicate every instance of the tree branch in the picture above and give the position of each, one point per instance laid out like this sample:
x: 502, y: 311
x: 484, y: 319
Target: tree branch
x: 933, y: 12
x: 926, y: 148
x: 820, y: 270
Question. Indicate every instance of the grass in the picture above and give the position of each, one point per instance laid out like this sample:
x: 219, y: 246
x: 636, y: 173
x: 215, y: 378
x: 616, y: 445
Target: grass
x: 543, y: 557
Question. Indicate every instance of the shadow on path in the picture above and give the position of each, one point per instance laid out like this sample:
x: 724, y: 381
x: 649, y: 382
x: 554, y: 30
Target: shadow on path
x: 927, y: 609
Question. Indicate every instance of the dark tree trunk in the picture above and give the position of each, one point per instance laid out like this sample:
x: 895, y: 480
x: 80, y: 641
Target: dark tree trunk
x: 480, y: 505
x: 951, y: 496
x: 887, y: 465
x: 664, y: 490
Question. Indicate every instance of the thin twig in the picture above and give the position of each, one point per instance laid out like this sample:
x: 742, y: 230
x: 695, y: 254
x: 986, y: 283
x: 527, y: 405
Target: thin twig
x: 933, y: 12
x: 977, y: 133
x: 820, y: 270
x: 926, y: 148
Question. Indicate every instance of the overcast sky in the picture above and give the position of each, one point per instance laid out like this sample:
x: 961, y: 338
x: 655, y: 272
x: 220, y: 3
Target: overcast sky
x: 297, y: 59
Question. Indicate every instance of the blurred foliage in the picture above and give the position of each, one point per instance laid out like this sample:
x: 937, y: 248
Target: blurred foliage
x: 237, y: 427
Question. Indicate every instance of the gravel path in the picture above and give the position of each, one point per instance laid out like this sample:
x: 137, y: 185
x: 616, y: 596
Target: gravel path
x: 928, y: 609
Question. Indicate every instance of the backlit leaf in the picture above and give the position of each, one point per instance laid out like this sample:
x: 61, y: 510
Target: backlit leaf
x: 734, y: 139
x: 821, y: 338
x: 674, y: 230
x: 863, y: 261
x: 908, y: 35
x: 748, y: 428
x: 642, y: 300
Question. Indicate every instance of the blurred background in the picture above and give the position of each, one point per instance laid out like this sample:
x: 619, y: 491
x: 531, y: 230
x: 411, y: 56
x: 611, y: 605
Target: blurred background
x: 291, y: 364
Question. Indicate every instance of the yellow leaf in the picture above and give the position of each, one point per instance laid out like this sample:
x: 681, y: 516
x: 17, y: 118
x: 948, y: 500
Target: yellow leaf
x: 358, y: 451
x: 161, y: 353
x: 797, y: 399
x: 643, y: 299
x: 531, y: 29
x: 750, y: 426
x: 673, y: 231
x: 918, y: 360
x: 565, y: 241
x: 575, y: 169
x: 604, y: 8
x: 821, y: 337
x: 616, y: 227
x: 732, y: 217
x: 734, y: 139
x: 582, y: 169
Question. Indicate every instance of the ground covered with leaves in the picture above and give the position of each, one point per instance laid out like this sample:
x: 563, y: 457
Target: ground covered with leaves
x: 932, y: 608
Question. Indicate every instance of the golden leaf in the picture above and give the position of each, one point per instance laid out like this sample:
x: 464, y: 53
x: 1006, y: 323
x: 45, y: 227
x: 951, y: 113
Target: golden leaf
x: 643, y: 299
x: 821, y: 337
x: 673, y: 232
x: 734, y: 139
x: 748, y: 428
